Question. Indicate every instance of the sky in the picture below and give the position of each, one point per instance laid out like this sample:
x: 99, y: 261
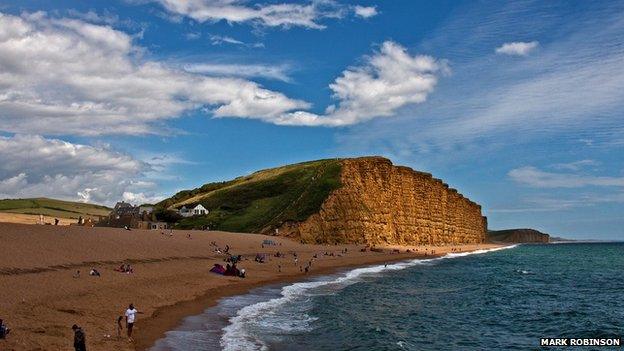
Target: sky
x: 520, y: 106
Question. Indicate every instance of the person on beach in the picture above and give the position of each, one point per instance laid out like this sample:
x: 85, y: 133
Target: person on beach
x: 131, y: 313
x: 119, y: 326
x: 80, y: 340
x: 4, y: 330
x: 56, y: 221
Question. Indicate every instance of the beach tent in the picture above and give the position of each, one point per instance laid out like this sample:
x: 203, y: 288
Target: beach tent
x: 219, y: 269
x: 269, y: 242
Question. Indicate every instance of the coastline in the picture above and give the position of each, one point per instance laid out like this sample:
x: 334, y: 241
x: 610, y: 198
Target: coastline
x: 167, y: 318
x: 171, y: 278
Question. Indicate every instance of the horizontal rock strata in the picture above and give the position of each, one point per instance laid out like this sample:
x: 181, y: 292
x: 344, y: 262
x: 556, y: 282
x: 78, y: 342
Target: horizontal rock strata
x: 380, y: 203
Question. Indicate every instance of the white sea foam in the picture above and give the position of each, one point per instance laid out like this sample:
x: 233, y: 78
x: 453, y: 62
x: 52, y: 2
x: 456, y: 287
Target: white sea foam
x: 238, y: 334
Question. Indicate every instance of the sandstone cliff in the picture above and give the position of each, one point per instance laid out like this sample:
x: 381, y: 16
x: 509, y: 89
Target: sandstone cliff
x: 518, y: 236
x: 379, y: 203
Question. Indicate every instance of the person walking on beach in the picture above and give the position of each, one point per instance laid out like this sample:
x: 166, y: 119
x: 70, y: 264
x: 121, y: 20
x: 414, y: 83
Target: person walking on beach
x: 119, y: 327
x: 4, y: 330
x: 80, y: 340
x: 131, y: 313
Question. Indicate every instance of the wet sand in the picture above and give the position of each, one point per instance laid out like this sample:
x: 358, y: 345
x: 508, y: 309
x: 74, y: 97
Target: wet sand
x: 171, y: 279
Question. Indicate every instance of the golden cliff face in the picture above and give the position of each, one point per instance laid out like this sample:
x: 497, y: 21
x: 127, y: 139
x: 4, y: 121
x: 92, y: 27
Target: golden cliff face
x: 384, y: 204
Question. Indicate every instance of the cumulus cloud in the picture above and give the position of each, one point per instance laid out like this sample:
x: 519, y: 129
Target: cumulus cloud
x: 365, y: 11
x: 33, y: 166
x: 517, y: 48
x: 534, y: 177
x: 66, y: 76
x: 271, y: 15
x: 389, y: 79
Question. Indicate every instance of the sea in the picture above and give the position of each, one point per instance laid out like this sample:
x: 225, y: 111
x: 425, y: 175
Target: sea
x: 501, y: 299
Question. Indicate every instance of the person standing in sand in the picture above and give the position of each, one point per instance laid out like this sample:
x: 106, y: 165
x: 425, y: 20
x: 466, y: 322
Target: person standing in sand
x: 131, y: 313
x: 80, y: 340
x: 119, y: 327
x: 4, y: 330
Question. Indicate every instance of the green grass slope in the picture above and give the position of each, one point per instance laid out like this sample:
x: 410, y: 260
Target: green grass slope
x: 262, y: 200
x: 53, y: 208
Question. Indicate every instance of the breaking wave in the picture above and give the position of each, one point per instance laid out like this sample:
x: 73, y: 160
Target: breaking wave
x: 253, y: 326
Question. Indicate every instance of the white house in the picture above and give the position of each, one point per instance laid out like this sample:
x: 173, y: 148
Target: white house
x: 199, y: 210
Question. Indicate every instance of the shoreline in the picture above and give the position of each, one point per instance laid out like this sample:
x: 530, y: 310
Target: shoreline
x: 171, y: 278
x: 167, y: 318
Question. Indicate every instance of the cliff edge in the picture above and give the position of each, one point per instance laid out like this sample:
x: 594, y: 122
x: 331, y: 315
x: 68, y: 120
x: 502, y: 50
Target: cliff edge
x: 379, y: 203
x: 365, y: 200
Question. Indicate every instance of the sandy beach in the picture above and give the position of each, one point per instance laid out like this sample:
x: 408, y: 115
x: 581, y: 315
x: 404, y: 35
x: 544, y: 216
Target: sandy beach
x: 32, y: 219
x: 42, y: 299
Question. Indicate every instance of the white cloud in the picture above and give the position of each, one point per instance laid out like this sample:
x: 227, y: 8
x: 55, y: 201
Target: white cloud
x: 518, y: 48
x: 365, y: 11
x: 270, y: 15
x: 389, y: 80
x: 192, y: 35
x: 140, y: 198
x: 220, y: 39
x: 32, y: 166
x: 276, y: 71
x: 576, y: 165
x: 94, y: 17
x: 66, y: 76
x: 223, y: 39
x: 551, y: 204
x: 571, y: 89
x: 534, y: 177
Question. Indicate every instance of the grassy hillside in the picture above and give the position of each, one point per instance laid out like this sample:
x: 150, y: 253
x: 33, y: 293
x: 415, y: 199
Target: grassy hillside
x: 53, y: 208
x: 262, y: 200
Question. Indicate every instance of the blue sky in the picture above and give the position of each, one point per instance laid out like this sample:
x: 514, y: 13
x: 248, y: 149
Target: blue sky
x: 519, y: 106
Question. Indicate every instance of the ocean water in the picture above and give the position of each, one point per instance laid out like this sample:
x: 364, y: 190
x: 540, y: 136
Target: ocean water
x: 503, y: 299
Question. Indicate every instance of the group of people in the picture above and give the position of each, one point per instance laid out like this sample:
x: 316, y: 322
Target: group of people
x: 125, y: 268
x: 260, y: 258
x: 218, y: 250
x: 80, y: 337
